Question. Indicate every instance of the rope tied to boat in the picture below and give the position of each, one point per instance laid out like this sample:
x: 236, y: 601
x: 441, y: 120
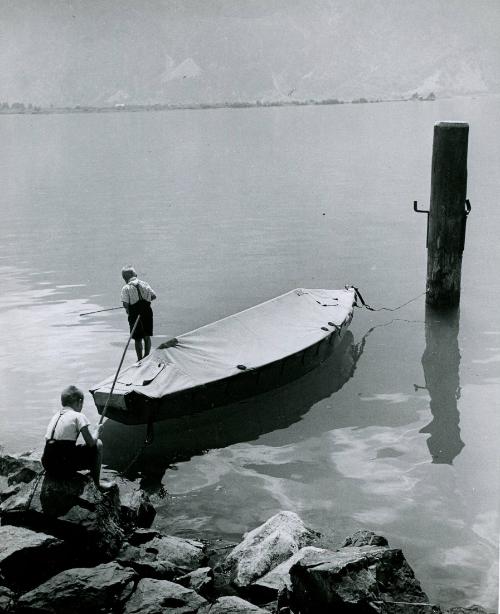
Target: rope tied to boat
x: 370, y: 308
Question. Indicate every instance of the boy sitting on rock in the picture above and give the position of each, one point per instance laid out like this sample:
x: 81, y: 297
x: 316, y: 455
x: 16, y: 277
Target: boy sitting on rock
x: 62, y: 456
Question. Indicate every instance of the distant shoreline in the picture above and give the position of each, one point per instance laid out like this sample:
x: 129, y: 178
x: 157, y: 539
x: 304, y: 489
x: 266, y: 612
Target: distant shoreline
x: 21, y: 109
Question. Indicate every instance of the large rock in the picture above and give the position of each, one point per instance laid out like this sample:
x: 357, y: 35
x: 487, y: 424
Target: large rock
x: 81, y: 591
x: 279, y: 577
x: 232, y: 605
x: 266, y: 547
x: 11, y: 464
x: 163, y: 557
x: 158, y: 596
x: 63, y: 506
x: 200, y: 580
x: 136, y: 509
x: 363, y: 537
x: 28, y: 558
x: 352, y: 578
x: 141, y: 536
x: 6, y: 600
x: 7, y: 490
x: 72, y: 509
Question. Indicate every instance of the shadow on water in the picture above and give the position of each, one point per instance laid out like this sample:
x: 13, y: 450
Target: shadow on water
x: 441, y: 362
x: 180, y: 439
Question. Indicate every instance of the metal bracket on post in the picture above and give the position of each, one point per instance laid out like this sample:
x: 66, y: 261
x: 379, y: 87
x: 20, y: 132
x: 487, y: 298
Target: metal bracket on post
x: 464, y: 223
x: 417, y: 210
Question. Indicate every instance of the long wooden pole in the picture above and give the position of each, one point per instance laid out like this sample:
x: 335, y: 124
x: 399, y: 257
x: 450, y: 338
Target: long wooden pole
x: 118, y: 370
x: 87, y: 313
x: 447, y: 215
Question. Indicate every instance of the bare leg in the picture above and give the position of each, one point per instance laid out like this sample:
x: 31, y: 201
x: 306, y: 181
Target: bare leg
x: 138, y: 348
x: 95, y: 471
x: 147, y: 345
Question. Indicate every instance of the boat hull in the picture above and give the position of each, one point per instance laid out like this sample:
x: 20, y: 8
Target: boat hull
x: 136, y: 408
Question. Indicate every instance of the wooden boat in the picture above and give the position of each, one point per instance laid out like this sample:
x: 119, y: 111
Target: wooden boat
x: 239, y: 356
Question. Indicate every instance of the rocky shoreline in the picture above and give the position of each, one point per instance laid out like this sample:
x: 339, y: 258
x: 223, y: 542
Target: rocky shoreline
x: 67, y: 548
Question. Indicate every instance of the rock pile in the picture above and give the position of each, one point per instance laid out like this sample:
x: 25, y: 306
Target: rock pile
x: 65, y: 547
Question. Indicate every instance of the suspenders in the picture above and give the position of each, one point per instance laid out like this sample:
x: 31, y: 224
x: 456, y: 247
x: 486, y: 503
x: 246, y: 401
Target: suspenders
x: 54, y: 429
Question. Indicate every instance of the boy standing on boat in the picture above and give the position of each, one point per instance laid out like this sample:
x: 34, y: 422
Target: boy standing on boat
x: 136, y: 298
x: 62, y: 456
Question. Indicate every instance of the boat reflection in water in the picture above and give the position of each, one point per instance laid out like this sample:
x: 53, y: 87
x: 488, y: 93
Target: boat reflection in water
x: 441, y: 362
x: 181, y: 438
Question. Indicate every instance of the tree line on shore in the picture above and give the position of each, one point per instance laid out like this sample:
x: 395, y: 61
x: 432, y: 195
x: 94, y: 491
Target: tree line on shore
x: 20, y: 107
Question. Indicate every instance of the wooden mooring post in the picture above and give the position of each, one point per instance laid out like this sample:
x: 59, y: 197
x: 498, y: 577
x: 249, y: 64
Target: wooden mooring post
x: 448, y: 213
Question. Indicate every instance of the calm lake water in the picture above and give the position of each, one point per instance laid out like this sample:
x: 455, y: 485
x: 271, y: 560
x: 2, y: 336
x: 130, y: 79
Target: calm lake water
x: 220, y: 210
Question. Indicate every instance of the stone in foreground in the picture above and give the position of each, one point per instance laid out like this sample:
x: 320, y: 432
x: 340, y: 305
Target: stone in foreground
x: 28, y: 558
x: 158, y: 596
x: 267, y: 546
x: 6, y: 600
x: 71, y: 509
x: 232, y: 605
x: 163, y: 557
x: 353, y: 578
x: 279, y: 578
x: 136, y: 509
x: 200, y: 580
x: 81, y: 590
x: 363, y: 537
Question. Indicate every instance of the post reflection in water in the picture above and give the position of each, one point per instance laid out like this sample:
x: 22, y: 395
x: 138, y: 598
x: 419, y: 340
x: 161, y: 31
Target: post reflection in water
x: 180, y: 439
x: 441, y: 362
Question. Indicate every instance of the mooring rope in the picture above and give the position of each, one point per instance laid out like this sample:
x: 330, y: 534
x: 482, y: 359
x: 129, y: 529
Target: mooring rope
x: 370, y: 308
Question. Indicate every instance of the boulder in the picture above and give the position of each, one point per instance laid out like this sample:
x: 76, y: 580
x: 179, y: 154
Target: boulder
x: 11, y: 464
x: 141, y: 536
x: 28, y: 558
x: 6, y: 600
x: 266, y: 547
x: 156, y: 596
x: 136, y: 509
x: 279, y: 578
x: 72, y: 509
x: 200, y: 580
x: 232, y: 605
x: 81, y: 590
x: 7, y: 491
x: 353, y: 577
x: 163, y: 557
x: 364, y: 537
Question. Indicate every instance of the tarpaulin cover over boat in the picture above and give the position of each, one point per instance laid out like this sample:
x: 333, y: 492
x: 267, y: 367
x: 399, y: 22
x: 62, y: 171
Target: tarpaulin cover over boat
x: 248, y: 340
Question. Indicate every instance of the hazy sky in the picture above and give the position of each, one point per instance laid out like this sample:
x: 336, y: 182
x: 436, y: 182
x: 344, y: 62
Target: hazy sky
x: 100, y: 51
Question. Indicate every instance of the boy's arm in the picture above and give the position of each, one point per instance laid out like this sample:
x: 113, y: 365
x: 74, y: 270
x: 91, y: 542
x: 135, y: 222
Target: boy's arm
x: 87, y: 436
x: 125, y: 298
x: 89, y: 440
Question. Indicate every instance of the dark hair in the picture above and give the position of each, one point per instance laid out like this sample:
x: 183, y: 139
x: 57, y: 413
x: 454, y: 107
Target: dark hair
x: 70, y: 396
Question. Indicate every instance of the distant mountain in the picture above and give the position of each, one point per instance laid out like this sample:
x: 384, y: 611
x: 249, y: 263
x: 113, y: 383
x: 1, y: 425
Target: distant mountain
x: 107, y: 52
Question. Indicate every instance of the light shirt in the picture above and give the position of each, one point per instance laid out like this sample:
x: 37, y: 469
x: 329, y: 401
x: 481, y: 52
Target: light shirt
x: 130, y: 294
x: 69, y: 425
